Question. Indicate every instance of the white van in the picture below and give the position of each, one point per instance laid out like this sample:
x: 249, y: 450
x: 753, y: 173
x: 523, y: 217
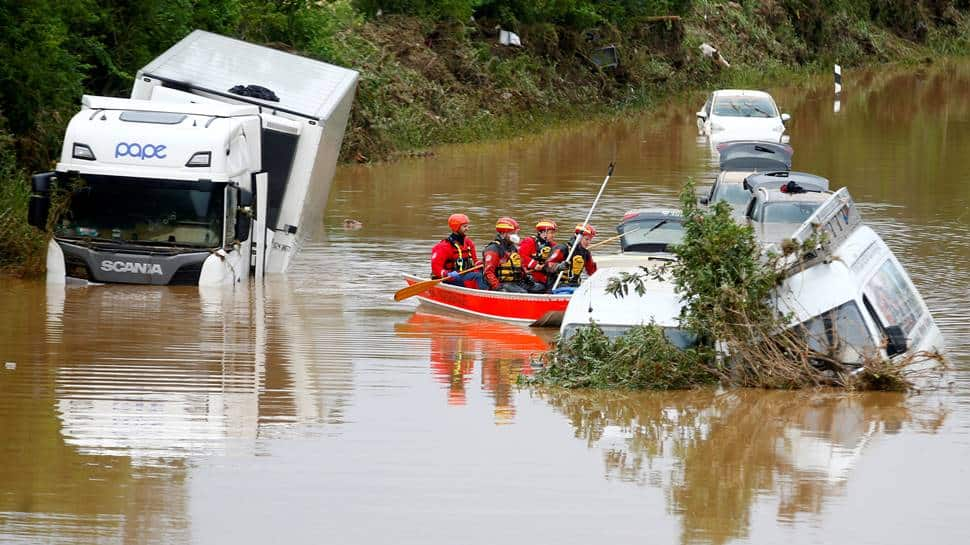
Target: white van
x: 853, y: 296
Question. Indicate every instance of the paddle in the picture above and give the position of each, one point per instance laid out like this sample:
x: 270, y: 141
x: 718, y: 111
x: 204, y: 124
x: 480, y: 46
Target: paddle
x: 421, y: 287
x: 569, y: 256
x: 611, y: 239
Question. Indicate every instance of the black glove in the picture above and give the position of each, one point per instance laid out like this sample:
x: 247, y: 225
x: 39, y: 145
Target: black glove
x: 560, y: 267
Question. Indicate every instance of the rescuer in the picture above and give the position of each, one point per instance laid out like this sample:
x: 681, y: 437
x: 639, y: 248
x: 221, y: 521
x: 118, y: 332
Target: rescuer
x: 581, y: 259
x: 455, y: 254
x: 503, y: 264
x: 535, y: 250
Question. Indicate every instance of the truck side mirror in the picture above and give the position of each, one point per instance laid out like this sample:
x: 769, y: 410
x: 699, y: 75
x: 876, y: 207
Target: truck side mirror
x: 244, y: 225
x: 785, y: 118
x: 244, y: 215
x: 38, y: 208
x: 702, y: 115
x: 895, y: 340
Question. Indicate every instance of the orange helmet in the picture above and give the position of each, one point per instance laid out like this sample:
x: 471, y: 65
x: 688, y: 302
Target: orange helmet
x: 455, y: 221
x: 506, y: 225
x: 586, y: 229
x: 546, y: 225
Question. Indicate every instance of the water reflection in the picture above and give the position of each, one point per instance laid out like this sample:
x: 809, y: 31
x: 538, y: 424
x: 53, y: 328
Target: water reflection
x: 717, y: 453
x: 502, y: 352
x: 185, y: 372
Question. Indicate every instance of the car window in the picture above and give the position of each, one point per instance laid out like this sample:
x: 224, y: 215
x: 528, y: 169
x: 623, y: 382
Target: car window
x: 894, y: 300
x: 745, y: 106
x: 651, y: 234
x: 733, y: 194
x: 840, y: 333
x: 788, y: 212
x: 754, y: 206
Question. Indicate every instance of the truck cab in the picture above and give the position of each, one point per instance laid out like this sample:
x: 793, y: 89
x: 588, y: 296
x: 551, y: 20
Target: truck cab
x: 157, y: 189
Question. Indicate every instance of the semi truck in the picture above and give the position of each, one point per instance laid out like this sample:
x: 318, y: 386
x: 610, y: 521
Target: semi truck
x: 217, y: 167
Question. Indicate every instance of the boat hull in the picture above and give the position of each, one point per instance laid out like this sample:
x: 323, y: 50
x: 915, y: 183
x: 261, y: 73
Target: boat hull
x: 539, y: 310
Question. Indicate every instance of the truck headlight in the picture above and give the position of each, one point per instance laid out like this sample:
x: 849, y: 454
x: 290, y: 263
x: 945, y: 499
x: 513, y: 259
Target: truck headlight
x: 83, y: 151
x: 200, y: 159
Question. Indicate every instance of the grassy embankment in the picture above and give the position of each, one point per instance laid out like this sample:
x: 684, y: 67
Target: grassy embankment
x: 440, y: 76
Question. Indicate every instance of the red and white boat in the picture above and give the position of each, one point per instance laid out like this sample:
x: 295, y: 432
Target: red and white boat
x: 535, y: 309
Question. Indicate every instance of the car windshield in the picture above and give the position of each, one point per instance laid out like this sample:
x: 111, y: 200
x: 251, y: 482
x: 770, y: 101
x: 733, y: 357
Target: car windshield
x: 651, y: 235
x: 744, y: 106
x: 840, y: 333
x: 733, y: 194
x: 788, y: 212
x: 132, y: 210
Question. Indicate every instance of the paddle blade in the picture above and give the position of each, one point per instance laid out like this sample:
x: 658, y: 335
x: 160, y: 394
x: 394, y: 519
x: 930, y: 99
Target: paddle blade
x: 415, y: 289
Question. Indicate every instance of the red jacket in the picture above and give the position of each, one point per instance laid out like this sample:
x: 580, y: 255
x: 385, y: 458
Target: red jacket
x: 455, y: 253
x: 532, y: 259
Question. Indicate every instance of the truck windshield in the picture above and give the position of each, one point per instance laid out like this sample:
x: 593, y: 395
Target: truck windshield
x: 134, y: 210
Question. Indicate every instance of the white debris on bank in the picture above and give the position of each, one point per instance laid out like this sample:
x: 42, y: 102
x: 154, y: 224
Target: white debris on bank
x: 711, y: 52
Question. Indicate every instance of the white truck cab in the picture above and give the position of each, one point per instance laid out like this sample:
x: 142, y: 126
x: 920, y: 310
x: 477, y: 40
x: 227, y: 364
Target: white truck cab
x: 219, y: 164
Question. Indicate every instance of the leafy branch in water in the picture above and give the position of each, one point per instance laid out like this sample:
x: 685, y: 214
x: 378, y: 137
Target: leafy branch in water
x: 642, y: 358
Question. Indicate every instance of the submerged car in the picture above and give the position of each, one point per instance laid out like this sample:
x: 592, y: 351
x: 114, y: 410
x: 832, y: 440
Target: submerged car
x: 737, y: 114
x: 648, y: 236
x: 853, y: 298
x: 781, y: 202
x: 737, y: 161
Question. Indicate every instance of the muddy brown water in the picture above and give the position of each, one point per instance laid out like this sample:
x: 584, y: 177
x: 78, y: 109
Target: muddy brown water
x: 315, y: 409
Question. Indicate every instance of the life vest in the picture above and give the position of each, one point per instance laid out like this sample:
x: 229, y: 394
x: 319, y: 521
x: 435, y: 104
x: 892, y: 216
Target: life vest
x: 462, y: 258
x: 570, y: 276
x: 509, y: 267
x: 543, y: 249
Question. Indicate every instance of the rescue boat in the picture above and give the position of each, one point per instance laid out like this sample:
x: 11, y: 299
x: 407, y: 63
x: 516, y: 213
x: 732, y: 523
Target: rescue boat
x: 534, y: 309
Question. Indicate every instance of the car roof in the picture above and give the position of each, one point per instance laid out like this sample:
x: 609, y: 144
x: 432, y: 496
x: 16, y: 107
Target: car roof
x: 777, y: 195
x: 776, y: 179
x: 755, y: 156
x: 652, y: 214
x: 741, y: 93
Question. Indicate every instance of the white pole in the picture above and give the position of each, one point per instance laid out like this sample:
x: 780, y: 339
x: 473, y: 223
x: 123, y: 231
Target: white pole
x: 838, y: 80
x: 585, y: 222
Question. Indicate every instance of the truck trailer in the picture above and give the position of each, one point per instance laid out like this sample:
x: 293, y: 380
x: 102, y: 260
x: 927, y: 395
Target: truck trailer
x: 218, y: 165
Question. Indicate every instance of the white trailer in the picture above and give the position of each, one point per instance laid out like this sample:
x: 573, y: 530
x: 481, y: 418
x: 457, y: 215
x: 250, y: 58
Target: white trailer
x: 219, y: 164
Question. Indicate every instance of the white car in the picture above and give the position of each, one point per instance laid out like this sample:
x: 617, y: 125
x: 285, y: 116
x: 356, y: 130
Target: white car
x: 736, y: 114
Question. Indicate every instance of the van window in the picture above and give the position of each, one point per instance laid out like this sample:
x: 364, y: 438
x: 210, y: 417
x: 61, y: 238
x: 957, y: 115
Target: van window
x: 841, y: 333
x: 892, y: 297
x: 789, y: 212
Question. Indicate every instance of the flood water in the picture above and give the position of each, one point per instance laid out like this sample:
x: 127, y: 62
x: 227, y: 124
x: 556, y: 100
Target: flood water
x: 314, y: 409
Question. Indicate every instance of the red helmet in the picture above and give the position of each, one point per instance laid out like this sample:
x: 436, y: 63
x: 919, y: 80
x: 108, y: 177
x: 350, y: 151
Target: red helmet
x: 586, y: 229
x: 506, y: 225
x: 546, y: 225
x: 455, y: 221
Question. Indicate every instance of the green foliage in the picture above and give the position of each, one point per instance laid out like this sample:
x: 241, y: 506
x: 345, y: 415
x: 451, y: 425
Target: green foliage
x: 457, y: 9
x: 20, y: 245
x: 719, y: 271
x: 642, y: 358
x: 578, y: 14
